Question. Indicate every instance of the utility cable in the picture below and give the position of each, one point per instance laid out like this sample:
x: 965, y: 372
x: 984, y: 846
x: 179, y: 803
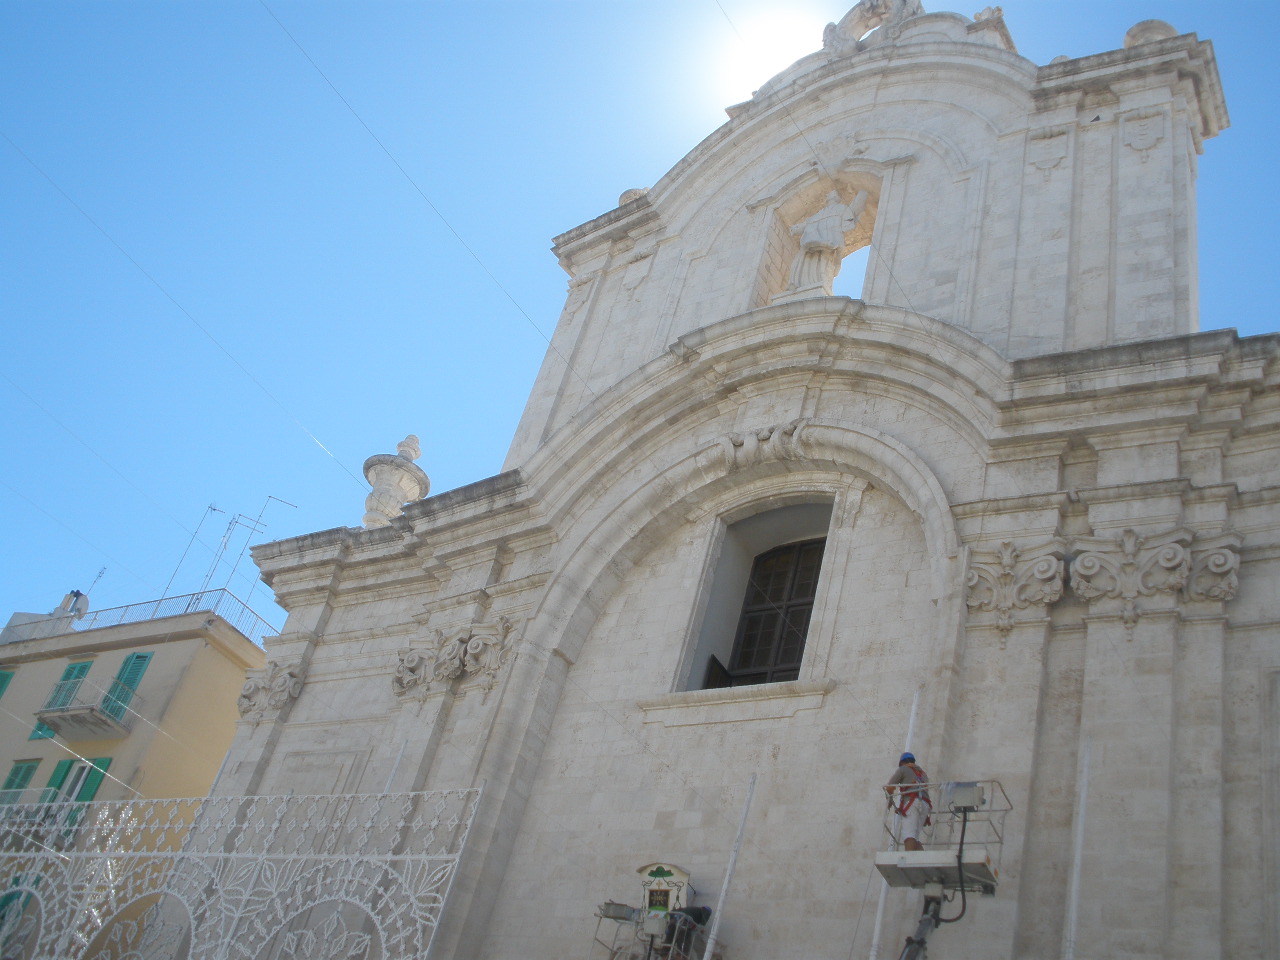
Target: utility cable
x: 119, y: 473
x: 421, y: 193
x: 62, y: 523
x: 63, y: 746
x: 181, y: 309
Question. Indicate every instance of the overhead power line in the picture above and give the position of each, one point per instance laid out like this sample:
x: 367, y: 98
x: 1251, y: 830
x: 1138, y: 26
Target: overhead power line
x: 181, y: 309
x: 421, y: 193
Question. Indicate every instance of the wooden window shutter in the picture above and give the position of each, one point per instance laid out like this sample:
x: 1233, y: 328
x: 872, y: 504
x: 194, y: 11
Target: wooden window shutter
x: 93, y: 780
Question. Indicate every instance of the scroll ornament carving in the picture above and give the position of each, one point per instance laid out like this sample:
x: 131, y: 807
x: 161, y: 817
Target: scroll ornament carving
x: 1214, y: 573
x: 777, y: 442
x: 1008, y: 580
x: 269, y: 690
x: 1131, y: 567
x: 476, y: 652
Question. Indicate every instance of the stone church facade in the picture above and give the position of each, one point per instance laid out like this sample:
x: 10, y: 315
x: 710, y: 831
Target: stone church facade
x: 1010, y: 504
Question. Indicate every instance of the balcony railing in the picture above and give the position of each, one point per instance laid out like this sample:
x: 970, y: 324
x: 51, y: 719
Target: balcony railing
x: 220, y: 602
x: 81, y: 710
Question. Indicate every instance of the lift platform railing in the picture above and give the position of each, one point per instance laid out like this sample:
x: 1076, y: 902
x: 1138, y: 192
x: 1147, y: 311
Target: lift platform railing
x: 966, y: 816
x: 635, y: 934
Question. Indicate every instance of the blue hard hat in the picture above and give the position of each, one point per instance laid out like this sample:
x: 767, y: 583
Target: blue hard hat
x: 907, y: 758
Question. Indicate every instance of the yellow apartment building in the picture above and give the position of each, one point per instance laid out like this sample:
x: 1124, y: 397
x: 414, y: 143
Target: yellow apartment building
x: 124, y: 703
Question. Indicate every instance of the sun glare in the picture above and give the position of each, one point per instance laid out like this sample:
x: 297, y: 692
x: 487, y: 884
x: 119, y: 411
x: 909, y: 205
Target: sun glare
x: 764, y: 43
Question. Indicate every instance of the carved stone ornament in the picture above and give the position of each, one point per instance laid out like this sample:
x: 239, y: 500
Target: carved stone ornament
x: 269, y: 690
x: 476, y: 652
x: 1214, y: 572
x: 1142, y: 132
x: 833, y: 154
x: 413, y: 670
x: 776, y: 442
x: 396, y: 480
x: 1009, y: 580
x: 1047, y: 148
x: 846, y: 37
x: 1130, y: 567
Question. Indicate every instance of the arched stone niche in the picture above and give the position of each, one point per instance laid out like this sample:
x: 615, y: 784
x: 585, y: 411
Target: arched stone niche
x: 793, y: 268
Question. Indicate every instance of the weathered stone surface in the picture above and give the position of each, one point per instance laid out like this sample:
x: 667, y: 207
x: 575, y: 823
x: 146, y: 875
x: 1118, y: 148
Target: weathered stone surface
x: 1050, y: 509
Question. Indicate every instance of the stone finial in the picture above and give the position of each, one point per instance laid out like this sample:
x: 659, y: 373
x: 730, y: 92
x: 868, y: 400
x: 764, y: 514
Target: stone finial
x: 1148, y: 31
x: 396, y: 480
x: 409, y: 448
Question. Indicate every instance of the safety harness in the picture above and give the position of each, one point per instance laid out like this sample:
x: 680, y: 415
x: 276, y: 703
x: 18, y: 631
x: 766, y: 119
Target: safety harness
x: 910, y: 794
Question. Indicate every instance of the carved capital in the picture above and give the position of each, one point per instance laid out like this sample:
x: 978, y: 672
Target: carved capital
x: 1214, y: 570
x: 477, y: 652
x: 1010, y: 579
x: 412, y: 671
x: 269, y: 690
x: 1129, y: 567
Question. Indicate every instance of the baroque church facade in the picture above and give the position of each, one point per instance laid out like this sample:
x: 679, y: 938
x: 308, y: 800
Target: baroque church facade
x: 1010, y: 505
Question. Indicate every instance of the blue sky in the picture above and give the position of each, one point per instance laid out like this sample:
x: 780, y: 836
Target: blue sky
x: 217, y: 286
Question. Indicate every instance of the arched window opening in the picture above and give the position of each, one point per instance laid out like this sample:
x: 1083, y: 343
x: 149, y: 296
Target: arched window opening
x: 853, y: 274
x: 761, y: 594
x: 775, y: 617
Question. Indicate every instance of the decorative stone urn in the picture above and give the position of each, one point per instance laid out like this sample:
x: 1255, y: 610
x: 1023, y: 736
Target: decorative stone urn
x: 396, y: 480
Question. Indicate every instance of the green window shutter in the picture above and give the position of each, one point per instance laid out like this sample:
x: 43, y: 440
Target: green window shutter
x: 131, y: 671
x: 59, y: 775
x: 118, y: 697
x: 64, y: 690
x: 20, y: 775
x: 5, y: 677
x: 94, y: 779
x: 42, y: 732
x: 77, y: 671
x: 56, y: 780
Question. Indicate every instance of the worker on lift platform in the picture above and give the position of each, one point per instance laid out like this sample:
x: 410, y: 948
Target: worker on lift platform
x: 914, y: 805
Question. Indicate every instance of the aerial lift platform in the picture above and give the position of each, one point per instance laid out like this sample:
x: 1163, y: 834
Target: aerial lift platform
x: 961, y: 855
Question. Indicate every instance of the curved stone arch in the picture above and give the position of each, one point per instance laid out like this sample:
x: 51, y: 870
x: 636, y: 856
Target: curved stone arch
x: 1009, y: 72
x: 606, y: 551
x: 994, y: 71
x: 668, y: 394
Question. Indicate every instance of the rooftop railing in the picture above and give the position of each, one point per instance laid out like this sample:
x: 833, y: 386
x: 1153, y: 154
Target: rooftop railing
x: 220, y: 602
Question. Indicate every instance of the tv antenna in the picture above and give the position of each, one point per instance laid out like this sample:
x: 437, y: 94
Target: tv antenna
x: 258, y: 526
x: 203, y: 517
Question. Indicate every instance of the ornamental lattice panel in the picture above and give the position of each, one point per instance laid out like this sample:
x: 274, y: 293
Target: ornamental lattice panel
x: 360, y: 877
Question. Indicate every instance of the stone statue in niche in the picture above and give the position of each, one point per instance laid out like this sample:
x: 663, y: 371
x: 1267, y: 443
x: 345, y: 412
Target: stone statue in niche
x: 822, y: 240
